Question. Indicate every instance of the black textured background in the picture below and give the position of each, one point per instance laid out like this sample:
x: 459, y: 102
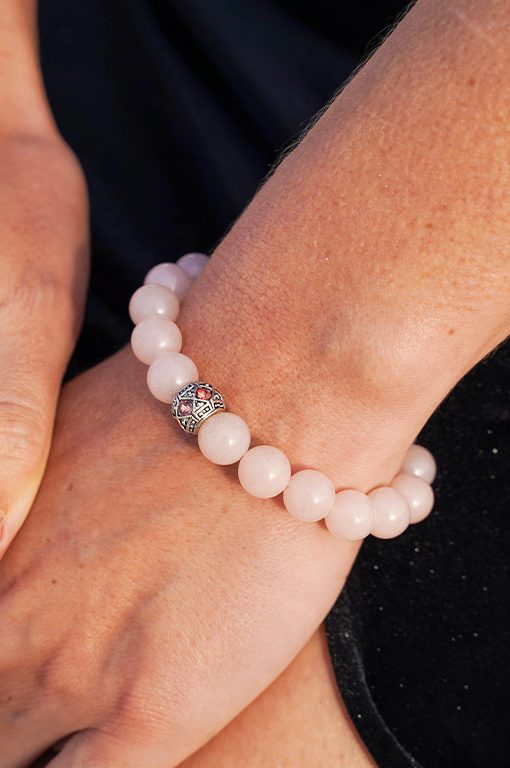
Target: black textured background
x: 424, y: 619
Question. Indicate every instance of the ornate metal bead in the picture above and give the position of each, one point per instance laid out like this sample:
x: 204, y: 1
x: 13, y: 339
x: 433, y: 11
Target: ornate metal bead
x: 194, y: 403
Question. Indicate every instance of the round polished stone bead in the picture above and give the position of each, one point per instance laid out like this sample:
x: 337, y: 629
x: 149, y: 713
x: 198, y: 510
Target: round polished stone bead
x: 264, y: 471
x: 418, y: 493
x: 352, y: 515
x: 391, y: 512
x: 224, y: 438
x: 171, y: 276
x: 153, y: 337
x: 168, y: 373
x: 309, y: 496
x: 151, y: 300
x: 420, y: 462
x: 193, y: 263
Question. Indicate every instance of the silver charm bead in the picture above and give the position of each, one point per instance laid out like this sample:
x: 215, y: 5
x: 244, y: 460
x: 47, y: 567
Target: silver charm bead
x: 194, y: 403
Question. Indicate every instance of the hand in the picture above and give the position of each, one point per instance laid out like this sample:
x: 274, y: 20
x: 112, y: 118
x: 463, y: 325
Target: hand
x: 148, y: 599
x: 44, y: 236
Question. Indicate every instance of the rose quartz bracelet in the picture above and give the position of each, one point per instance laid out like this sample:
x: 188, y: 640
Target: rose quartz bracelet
x: 224, y: 438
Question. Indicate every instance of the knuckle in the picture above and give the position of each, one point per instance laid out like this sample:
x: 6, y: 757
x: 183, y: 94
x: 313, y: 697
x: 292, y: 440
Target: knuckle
x: 57, y: 680
x: 70, y: 682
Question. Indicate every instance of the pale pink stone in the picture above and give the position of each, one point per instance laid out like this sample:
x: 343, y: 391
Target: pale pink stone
x: 167, y: 374
x: 224, y: 438
x: 185, y: 407
x: 418, y: 493
x: 264, y: 471
x: 420, y: 462
x: 150, y: 300
x: 171, y: 276
x: 309, y: 496
x: 155, y: 336
x: 192, y: 263
x: 352, y: 516
x: 391, y: 512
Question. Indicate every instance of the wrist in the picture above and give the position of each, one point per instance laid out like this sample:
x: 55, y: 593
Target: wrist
x: 344, y: 408
x: 313, y: 355
x: 265, y: 471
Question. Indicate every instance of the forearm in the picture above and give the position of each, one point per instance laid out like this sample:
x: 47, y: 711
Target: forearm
x: 276, y: 729
x: 371, y: 270
x: 23, y: 105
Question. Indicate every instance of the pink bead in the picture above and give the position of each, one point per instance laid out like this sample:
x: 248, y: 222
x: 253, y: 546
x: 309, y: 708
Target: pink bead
x: 352, y: 516
x: 264, y: 471
x: 193, y: 263
x: 420, y: 462
x: 224, y: 438
x: 169, y: 373
x: 150, y: 300
x: 154, y: 337
x: 418, y: 493
x: 171, y: 276
x: 391, y: 512
x: 309, y: 496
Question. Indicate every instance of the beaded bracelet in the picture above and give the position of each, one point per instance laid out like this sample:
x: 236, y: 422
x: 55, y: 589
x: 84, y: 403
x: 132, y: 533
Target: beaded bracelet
x: 224, y: 438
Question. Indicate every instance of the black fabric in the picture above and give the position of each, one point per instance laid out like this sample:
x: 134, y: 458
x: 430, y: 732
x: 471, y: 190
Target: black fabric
x: 176, y: 114
x: 176, y: 110
x: 420, y: 637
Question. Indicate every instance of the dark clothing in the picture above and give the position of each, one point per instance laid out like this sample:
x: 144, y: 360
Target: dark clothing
x: 176, y: 110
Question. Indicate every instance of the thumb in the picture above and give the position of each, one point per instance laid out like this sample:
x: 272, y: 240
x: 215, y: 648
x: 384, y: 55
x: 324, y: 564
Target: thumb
x: 43, y: 277
x: 37, y: 331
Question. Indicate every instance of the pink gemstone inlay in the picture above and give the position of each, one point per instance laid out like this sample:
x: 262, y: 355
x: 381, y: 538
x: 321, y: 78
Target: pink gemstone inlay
x: 203, y: 394
x: 185, y: 407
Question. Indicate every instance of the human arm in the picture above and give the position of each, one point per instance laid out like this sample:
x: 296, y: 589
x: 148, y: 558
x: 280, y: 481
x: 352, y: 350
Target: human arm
x: 375, y: 261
